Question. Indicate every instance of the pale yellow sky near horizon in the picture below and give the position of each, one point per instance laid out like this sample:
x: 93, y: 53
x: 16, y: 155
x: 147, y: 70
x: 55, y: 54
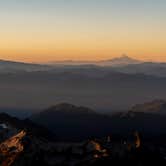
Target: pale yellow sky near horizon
x: 45, y: 30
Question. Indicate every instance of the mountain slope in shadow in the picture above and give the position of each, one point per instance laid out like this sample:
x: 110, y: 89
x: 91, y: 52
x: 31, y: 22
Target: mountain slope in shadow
x: 72, y: 122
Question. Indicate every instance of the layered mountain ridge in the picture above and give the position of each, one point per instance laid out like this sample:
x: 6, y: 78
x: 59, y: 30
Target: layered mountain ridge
x: 83, y: 137
x: 77, y: 123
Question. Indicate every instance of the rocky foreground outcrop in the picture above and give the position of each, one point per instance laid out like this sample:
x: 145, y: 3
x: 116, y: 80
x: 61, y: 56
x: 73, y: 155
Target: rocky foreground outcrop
x: 11, y: 149
x: 22, y: 146
x: 23, y: 149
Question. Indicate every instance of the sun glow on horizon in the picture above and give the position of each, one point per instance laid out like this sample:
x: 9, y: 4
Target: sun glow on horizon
x: 43, y: 31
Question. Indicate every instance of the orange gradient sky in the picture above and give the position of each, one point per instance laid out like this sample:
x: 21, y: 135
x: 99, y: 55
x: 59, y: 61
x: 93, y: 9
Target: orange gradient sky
x: 47, y: 30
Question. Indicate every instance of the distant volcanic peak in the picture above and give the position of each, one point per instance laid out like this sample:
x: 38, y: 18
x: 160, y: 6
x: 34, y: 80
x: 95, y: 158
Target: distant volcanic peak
x: 125, y: 58
x: 122, y: 57
x: 120, y: 61
x: 156, y: 106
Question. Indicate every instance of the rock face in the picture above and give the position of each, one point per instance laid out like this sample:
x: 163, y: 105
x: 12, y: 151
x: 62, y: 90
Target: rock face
x: 19, y: 138
x: 25, y: 150
x: 11, y: 149
x: 14, y: 124
x: 22, y: 147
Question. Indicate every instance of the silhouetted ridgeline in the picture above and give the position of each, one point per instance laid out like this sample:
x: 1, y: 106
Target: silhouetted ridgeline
x: 78, y: 123
x: 121, y: 139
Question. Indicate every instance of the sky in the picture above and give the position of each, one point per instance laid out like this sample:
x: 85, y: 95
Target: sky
x: 50, y: 30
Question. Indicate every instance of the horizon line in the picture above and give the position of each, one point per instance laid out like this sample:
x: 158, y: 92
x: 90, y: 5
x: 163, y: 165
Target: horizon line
x: 81, y: 61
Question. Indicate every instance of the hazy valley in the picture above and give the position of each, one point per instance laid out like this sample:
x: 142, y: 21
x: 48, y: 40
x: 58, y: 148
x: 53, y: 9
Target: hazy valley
x: 73, y: 114
x: 103, y: 88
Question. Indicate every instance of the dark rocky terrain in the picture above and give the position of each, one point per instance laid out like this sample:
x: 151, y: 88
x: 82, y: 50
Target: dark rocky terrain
x: 79, y: 136
x: 22, y: 147
x: 76, y: 123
